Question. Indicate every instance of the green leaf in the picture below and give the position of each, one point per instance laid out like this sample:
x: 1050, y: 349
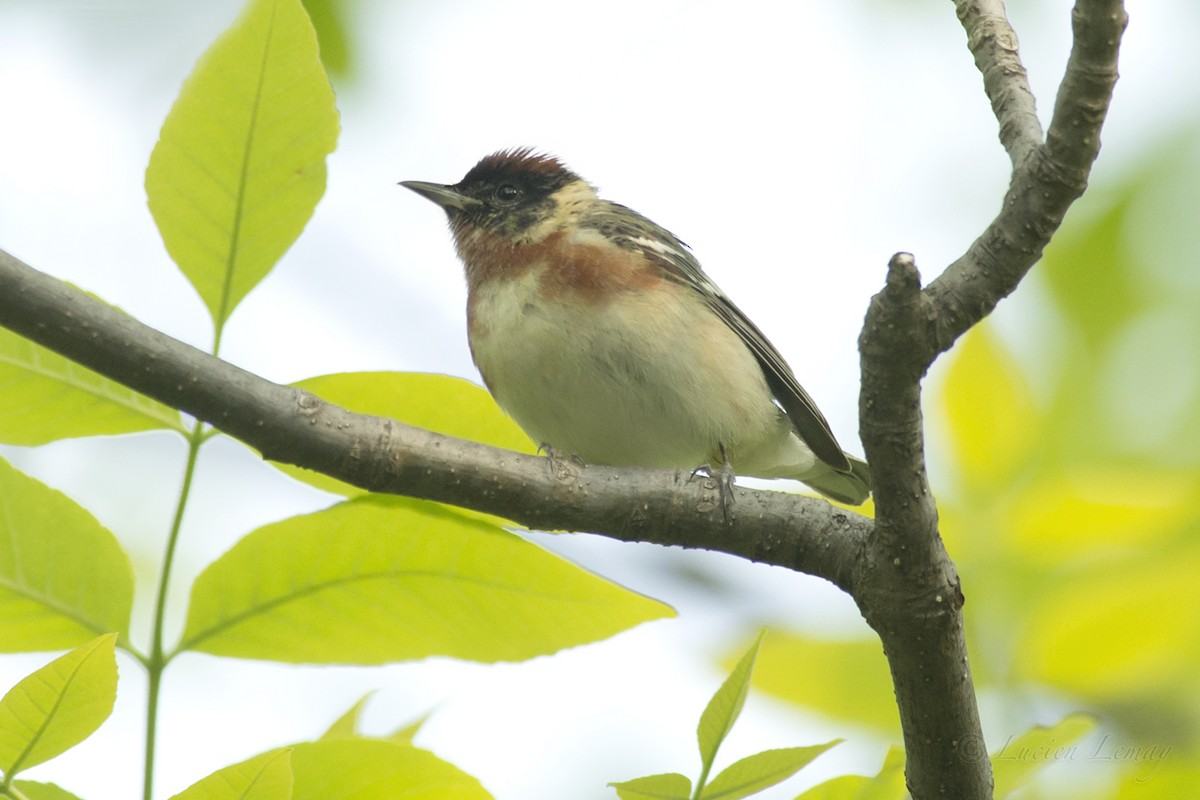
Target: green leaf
x: 668, y: 786
x: 1111, y: 632
x: 346, y: 726
x: 406, y: 733
x: 34, y: 790
x: 844, y: 679
x: 45, y: 397
x: 1096, y: 280
x: 1097, y: 509
x: 888, y: 784
x: 1022, y: 757
x: 725, y: 706
x: 437, y: 403
x: 240, y: 163
x: 377, y: 769
x: 63, y: 577
x: 761, y: 770
x: 379, y: 579
x: 264, y: 777
x: 989, y: 408
x: 328, y: 19
x: 57, y: 707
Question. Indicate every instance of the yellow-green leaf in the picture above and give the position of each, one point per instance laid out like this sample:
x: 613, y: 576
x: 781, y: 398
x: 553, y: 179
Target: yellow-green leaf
x: 667, y: 786
x: 64, y: 578
x: 377, y: 769
x: 888, y: 784
x: 264, y: 777
x: 1021, y: 757
x: 844, y: 679
x: 379, y: 579
x: 34, y: 790
x: 346, y: 726
x: 58, y: 706
x: 45, y: 397
x: 1092, y: 276
x: 1094, y: 510
x: 437, y: 403
x: 1131, y: 628
x: 407, y: 732
x: 989, y: 410
x: 725, y: 706
x: 762, y: 770
x: 240, y: 163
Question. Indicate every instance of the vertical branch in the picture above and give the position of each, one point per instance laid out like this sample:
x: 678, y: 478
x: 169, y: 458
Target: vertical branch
x: 910, y: 592
x: 907, y: 587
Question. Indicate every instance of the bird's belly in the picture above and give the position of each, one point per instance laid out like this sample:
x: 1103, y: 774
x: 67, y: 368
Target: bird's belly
x: 641, y: 380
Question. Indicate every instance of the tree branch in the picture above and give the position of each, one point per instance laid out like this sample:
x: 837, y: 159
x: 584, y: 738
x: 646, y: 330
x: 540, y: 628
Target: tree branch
x: 909, y: 591
x: 295, y: 427
x: 1046, y: 180
x: 993, y: 42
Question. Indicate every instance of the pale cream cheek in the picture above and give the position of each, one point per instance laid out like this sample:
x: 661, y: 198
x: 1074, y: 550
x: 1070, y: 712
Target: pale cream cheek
x: 569, y: 202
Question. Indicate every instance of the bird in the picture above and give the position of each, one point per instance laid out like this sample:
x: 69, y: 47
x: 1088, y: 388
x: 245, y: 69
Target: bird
x: 597, y: 331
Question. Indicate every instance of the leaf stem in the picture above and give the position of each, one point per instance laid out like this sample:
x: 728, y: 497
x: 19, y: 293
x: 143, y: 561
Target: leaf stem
x: 157, y: 661
x: 702, y: 781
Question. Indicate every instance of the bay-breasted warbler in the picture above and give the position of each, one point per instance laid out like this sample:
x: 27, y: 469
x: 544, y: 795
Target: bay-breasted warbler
x: 597, y: 331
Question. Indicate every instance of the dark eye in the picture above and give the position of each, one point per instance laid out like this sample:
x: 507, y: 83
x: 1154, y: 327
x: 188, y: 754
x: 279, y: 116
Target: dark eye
x: 507, y: 193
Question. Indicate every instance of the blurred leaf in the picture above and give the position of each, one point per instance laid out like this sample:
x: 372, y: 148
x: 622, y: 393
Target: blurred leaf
x: 888, y: 784
x: 1093, y: 278
x: 63, y: 577
x: 406, y: 733
x: 347, y: 725
x: 47, y: 397
x: 438, y: 403
x: 1064, y: 517
x: 379, y: 579
x: 1118, y: 632
x: 990, y: 412
x: 376, y: 769
x: 761, y: 770
x: 328, y: 21
x: 844, y: 679
x: 668, y: 786
x: 725, y: 706
x: 58, y: 706
x: 240, y: 163
x: 264, y: 777
x: 1022, y: 757
x: 34, y: 790
x: 1158, y: 772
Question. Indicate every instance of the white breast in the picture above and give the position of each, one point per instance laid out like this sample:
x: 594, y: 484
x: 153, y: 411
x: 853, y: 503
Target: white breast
x: 648, y: 379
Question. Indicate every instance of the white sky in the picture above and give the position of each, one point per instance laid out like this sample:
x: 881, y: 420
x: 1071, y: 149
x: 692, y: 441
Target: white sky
x: 794, y: 146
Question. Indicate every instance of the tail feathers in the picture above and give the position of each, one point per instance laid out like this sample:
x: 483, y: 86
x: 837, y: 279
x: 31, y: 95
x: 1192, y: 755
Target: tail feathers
x: 852, y: 488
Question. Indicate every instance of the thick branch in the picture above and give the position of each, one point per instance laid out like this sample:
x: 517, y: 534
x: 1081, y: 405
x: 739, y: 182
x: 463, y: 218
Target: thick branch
x: 292, y: 426
x: 910, y: 593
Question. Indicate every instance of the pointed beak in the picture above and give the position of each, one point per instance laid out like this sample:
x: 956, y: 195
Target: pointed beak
x: 445, y: 196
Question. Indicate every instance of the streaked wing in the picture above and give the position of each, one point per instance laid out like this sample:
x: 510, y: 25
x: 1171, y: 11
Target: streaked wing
x: 633, y: 231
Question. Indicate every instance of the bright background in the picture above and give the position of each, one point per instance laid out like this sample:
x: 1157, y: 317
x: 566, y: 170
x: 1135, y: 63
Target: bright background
x: 794, y: 146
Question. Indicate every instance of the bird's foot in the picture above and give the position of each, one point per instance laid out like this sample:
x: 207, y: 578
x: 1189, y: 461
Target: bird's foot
x: 559, y: 467
x: 723, y: 477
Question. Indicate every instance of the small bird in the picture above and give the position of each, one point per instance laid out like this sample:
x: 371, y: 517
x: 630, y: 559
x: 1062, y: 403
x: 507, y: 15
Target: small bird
x: 597, y: 331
